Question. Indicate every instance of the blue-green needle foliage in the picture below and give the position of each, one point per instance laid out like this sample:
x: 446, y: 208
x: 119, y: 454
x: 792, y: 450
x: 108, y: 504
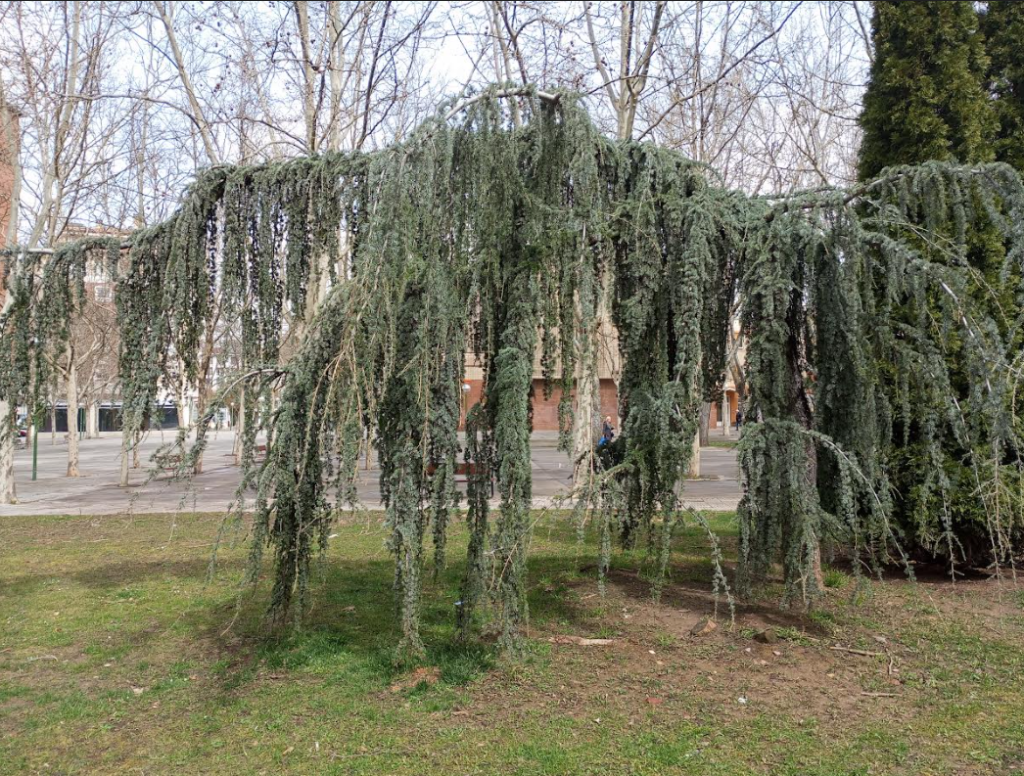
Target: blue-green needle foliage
x: 491, y: 234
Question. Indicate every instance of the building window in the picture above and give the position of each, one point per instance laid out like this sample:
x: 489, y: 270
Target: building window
x: 104, y: 293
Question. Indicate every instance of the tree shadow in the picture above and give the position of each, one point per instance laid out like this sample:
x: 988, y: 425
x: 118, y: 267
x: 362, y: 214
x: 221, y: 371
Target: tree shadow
x: 348, y: 633
x: 697, y: 599
x: 120, y: 574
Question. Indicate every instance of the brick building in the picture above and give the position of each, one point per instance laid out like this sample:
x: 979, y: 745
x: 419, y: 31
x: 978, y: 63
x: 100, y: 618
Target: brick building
x: 545, y: 410
x: 9, y: 171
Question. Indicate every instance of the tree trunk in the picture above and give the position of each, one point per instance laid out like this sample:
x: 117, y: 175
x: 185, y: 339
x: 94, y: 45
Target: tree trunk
x: 72, y: 400
x: 240, y: 428
x: 705, y: 423
x: 583, y: 431
x: 125, y: 452
x: 50, y: 202
x: 801, y: 411
x: 309, y: 108
x: 8, y: 433
x: 337, y: 69
x: 694, y: 472
x: 9, y: 151
x: 92, y: 421
x: 726, y: 413
x: 587, y: 390
x: 179, y: 62
x: 200, y: 415
x: 181, y: 398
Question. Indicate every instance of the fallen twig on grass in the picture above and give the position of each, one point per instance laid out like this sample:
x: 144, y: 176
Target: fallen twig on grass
x: 861, y: 652
x: 580, y: 641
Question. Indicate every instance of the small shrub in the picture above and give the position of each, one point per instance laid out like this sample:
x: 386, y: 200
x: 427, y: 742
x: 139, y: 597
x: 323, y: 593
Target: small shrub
x: 834, y: 578
x: 825, y: 620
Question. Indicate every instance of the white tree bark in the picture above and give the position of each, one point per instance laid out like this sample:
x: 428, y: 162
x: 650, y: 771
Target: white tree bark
x: 8, y: 431
x: 92, y: 421
x: 181, y: 399
x: 587, y: 391
x: 50, y: 204
x: 125, y: 452
x: 694, y: 472
x: 337, y: 48
x: 72, y: 400
x: 624, y: 92
x: 308, y: 76
x: 186, y: 82
x: 583, y: 428
x: 240, y: 427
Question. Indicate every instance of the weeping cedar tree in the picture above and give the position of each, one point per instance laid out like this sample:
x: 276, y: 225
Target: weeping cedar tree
x: 496, y: 232
x: 926, y: 100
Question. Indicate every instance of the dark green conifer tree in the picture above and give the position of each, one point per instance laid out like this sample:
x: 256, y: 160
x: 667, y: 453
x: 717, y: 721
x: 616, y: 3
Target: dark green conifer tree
x: 1003, y: 25
x: 927, y: 100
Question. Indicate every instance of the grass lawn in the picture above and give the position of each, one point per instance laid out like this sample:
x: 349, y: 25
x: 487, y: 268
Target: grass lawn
x: 117, y: 656
x: 725, y: 444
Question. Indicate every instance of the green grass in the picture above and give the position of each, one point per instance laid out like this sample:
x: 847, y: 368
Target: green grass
x: 835, y: 578
x: 118, y: 655
x: 727, y: 444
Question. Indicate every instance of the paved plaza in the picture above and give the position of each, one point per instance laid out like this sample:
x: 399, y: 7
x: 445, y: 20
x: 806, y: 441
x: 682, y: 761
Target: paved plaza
x: 97, y: 491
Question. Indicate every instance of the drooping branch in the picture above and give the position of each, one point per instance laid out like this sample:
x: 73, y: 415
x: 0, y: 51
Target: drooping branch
x: 486, y: 236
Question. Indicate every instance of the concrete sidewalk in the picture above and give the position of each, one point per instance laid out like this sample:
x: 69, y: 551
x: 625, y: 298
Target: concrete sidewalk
x: 97, y: 491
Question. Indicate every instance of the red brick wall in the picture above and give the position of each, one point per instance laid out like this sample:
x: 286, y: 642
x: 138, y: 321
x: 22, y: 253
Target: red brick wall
x: 545, y: 411
x: 8, y: 156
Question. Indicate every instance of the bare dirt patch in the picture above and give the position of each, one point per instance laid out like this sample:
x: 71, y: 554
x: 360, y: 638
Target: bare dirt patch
x: 846, y: 672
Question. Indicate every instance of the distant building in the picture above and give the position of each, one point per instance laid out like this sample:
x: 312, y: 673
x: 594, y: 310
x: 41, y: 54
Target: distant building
x: 10, y: 144
x: 609, y: 371
x: 10, y: 140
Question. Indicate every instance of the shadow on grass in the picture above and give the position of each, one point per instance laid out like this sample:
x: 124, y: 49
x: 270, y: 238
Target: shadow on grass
x: 697, y: 598
x: 348, y: 633
x: 121, y: 574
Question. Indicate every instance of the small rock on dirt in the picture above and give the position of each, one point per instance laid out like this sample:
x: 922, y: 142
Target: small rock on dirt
x: 767, y: 636
x: 703, y: 627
